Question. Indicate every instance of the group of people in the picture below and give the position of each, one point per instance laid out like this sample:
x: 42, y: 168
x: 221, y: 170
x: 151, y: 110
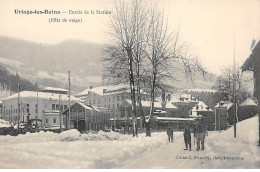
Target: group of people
x: 200, y: 131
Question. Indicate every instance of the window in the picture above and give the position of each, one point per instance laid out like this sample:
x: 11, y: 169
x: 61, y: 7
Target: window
x: 28, y: 110
x: 54, y: 120
x: 118, y: 98
x: 57, y: 107
x: 47, y: 120
x: 53, y: 106
x: 36, y: 108
x: 65, y: 106
x: 109, y: 99
x: 105, y: 99
x: 109, y: 106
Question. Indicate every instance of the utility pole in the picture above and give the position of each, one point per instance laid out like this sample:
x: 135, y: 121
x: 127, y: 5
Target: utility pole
x: 234, y: 91
x: 69, y: 99
x: 18, y: 106
x: 60, y: 109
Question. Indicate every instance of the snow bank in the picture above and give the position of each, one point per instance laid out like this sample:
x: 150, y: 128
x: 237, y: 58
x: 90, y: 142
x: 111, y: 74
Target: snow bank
x: 70, y: 149
x: 243, y: 147
x: 4, y: 124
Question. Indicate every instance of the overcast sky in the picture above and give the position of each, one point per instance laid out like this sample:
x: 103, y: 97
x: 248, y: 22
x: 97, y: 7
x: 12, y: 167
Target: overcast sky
x: 207, y: 25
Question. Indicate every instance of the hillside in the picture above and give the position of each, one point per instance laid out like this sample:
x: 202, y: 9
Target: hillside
x: 50, y: 64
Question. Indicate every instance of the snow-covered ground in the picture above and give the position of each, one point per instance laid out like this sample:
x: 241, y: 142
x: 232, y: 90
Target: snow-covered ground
x: 71, y: 149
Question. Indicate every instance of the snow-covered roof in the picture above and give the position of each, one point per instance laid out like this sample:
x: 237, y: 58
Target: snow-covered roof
x: 156, y: 104
x: 248, y: 64
x: 201, y: 106
x: 201, y: 90
x: 99, y: 90
x: 4, y: 124
x: 248, y: 102
x: 86, y: 106
x: 227, y: 104
x: 111, y: 89
x: 174, y: 119
x: 183, y: 98
x: 54, y: 89
x: 42, y: 95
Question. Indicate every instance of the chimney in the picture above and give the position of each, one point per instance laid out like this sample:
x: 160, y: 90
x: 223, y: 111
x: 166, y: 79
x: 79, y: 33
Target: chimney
x: 104, y: 91
x: 90, y: 87
x: 169, y: 97
x: 163, y: 96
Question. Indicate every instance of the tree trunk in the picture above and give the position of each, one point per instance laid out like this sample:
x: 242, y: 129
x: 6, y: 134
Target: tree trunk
x: 132, y: 88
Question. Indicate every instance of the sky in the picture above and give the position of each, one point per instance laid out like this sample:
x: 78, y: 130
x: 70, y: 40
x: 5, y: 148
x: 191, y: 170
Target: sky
x: 210, y: 27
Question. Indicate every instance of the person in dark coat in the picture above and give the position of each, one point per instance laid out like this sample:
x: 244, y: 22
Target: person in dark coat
x: 170, y: 134
x: 187, y: 137
x: 200, y: 132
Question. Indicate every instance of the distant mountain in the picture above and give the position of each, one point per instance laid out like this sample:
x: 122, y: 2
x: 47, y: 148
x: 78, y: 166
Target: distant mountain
x: 50, y: 64
x: 54, y: 61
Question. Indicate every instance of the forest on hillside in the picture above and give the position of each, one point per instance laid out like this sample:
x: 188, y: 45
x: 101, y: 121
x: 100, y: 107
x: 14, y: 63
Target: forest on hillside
x: 9, y: 82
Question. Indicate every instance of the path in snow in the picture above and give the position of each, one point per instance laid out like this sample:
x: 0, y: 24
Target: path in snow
x: 72, y: 150
x: 222, y: 150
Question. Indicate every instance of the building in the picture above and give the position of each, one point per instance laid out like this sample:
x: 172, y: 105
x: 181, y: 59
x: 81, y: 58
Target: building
x: 184, y: 103
x: 252, y: 63
x: 247, y: 109
x: 1, y: 105
x: 109, y: 97
x: 224, y: 115
x: 36, y: 105
x: 55, y: 90
x: 202, y: 110
x: 86, y: 117
x: 168, y: 110
x: 205, y: 95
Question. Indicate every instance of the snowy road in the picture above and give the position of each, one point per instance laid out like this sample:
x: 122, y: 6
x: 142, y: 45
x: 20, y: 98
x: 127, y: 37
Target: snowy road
x: 71, y: 149
x: 222, y: 150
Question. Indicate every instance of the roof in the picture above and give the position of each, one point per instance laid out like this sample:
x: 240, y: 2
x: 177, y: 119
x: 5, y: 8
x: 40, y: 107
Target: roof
x: 42, y: 95
x: 201, y: 90
x: 227, y: 104
x: 174, y: 119
x: 112, y: 89
x: 156, y: 104
x: 86, y: 106
x: 54, y: 89
x: 249, y: 63
x: 99, y: 90
x: 248, y: 102
x: 183, y: 98
x: 4, y: 124
x: 201, y: 106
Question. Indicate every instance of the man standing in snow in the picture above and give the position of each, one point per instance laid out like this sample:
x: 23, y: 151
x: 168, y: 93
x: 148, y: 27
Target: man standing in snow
x: 200, y: 133
x: 170, y: 134
x: 187, y: 137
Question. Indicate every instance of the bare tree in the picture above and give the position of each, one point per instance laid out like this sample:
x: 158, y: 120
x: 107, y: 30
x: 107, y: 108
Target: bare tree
x: 126, y: 29
x: 225, y: 83
x: 163, y: 49
x: 144, y: 46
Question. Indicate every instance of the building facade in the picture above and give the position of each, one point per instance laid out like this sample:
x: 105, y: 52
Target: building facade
x: 109, y: 97
x: 35, y: 105
x: 85, y: 118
